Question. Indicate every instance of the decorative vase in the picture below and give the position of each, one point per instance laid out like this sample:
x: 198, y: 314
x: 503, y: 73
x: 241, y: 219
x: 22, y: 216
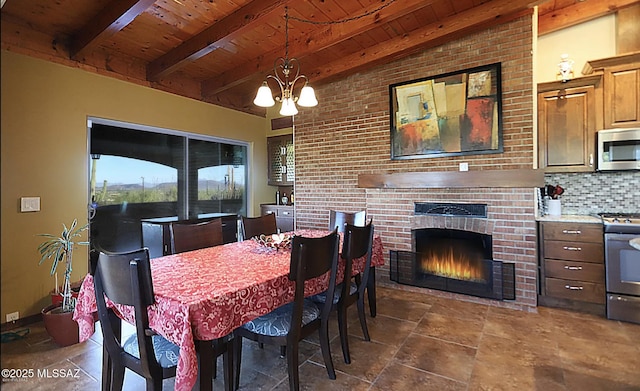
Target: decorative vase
x: 60, y: 326
x: 554, y: 207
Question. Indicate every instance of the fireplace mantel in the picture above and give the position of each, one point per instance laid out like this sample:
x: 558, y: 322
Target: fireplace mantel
x: 518, y: 178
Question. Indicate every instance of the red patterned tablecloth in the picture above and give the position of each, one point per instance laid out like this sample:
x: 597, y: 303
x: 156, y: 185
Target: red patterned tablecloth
x: 206, y: 294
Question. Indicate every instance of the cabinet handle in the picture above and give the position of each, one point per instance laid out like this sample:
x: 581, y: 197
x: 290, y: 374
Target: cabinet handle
x: 573, y: 288
x: 572, y: 248
x: 571, y: 232
x: 590, y: 160
x: 269, y: 212
x: 286, y: 213
x: 573, y: 267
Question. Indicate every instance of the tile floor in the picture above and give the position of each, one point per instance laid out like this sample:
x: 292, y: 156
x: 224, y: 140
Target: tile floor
x: 419, y: 342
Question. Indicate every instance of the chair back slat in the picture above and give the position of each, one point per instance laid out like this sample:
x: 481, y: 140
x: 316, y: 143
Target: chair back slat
x: 256, y: 226
x: 114, y: 272
x: 317, y: 253
x: 360, y: 241
x: 339, y: 219
x: 194, y: 236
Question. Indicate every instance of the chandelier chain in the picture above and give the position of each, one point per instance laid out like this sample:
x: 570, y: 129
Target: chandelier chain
x: 383, y: 6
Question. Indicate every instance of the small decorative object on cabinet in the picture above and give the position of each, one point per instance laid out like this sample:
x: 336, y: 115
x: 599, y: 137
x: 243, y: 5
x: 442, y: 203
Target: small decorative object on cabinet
x: 572, y: 266
x: 285, y: 215
x: 569, y: 115
x: 621, y: 89
x: 281, y: 167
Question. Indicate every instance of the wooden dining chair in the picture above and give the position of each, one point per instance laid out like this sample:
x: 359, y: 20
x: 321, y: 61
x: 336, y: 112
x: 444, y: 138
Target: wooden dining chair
x: 194, y: 236
x: 287, y: 325
x: 256, y: 226
x: 125, y: 278
x: 339, y: 219
x: 357, y: 243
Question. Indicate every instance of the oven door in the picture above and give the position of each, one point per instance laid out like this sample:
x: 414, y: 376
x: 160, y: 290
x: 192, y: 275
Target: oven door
x: 622, y: 264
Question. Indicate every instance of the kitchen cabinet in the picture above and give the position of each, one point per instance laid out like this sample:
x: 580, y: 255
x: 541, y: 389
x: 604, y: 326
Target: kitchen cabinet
x: 569, y: 114
x: 621, y: 89
x: 156, y: 234
x: 285, y: 215
x: 281, y: 164
x: 571, y: 266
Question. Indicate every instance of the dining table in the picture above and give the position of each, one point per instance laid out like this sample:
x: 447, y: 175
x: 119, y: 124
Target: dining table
x: 203, y: 295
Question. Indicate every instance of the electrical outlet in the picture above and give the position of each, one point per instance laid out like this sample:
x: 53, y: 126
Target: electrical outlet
x: 13, y: 316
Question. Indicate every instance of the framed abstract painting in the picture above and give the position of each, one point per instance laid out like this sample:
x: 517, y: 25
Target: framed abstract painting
x: 456, y: 113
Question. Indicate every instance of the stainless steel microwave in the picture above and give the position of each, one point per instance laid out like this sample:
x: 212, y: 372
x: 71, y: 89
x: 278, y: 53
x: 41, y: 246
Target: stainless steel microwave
x: 619, y: 149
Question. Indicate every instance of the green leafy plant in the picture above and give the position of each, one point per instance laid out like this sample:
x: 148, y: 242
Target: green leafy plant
x: 58, y: 249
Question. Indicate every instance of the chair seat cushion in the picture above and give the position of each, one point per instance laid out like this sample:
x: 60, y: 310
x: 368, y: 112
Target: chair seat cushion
x: 166, y: 352
x: 278, y: 322
x: 322, y: 297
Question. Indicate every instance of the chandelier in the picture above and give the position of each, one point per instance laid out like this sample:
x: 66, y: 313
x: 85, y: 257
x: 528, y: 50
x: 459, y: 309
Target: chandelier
x: 286, y: 72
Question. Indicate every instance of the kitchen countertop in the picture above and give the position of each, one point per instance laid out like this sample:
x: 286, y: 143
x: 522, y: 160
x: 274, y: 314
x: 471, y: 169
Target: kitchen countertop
x: 571, y: 219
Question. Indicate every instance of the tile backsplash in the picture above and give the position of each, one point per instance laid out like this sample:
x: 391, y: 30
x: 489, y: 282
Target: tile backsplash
x: 590, y: 193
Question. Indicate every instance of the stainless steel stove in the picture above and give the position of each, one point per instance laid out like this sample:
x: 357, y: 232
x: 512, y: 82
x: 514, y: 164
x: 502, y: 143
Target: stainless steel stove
x: 622, y: 266
x: 621, y: 222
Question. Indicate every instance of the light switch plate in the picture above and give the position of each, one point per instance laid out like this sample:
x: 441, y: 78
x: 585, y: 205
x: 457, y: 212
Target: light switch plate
x: 29, y: 204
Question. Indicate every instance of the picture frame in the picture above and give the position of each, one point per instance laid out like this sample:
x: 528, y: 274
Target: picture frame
x: 452, y: 114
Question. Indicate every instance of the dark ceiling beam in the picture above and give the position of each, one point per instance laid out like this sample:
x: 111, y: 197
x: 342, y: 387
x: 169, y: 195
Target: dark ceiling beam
x: 320, y: 39
x: 457, y: 26
x: 108, y: 22
x: 578, y: 13
x: 217, y: 35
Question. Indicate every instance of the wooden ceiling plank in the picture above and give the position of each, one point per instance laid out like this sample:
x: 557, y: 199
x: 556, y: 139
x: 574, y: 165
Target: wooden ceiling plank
x: 113, y: 18
x: 578, y: 13
x: 312, y: 43
x: 214, y: 36
x: 494, y: 12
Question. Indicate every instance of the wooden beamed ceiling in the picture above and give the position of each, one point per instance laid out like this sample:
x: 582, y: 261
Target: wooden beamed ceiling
x: 220, y: 51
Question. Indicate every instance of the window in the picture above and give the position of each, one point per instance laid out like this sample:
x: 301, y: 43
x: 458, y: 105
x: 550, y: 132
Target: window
x: 141, y: 173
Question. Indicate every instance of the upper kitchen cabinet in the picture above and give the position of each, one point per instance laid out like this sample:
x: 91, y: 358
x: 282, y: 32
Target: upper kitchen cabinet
x: 621, y: 89
x: 281, y: 160
x: 569, y: 114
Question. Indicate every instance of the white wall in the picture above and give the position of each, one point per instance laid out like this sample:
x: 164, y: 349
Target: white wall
x: 584, y: 42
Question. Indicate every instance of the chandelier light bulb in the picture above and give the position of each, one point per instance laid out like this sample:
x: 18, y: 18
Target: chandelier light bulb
x: 264, y: 97
x: 288, y: 107
x: 307, y: 97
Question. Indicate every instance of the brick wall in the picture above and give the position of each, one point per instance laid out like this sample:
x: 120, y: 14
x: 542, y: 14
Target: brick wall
x: 348, y: 134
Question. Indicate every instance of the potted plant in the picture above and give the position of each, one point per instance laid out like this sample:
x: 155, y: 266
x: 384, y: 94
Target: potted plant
x: 57, y: 318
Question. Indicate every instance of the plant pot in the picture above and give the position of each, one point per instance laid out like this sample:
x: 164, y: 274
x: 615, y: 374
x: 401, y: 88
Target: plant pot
x: 60, y: 326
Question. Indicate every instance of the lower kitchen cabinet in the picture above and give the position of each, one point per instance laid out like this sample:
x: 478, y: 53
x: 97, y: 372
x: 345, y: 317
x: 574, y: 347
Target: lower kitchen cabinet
x: 285, y: 215
x: 571, y: 266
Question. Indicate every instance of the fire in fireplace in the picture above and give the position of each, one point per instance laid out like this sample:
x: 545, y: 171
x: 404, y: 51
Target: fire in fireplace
x: 453, y: 254
x: 455, y: 261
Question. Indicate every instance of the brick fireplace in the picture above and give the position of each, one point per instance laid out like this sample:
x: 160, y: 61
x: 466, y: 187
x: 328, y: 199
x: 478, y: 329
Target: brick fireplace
x: 347, y: 135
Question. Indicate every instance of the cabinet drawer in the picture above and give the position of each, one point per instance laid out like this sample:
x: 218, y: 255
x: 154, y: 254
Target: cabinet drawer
x: 570, y: 270
x: 285, y: 212
x: 269, y: 210
x: 574, y: 251
x: 573, y: 232
x: 575, y: 290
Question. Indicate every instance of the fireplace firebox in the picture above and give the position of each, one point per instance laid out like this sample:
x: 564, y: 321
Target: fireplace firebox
x: 455, y: 261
